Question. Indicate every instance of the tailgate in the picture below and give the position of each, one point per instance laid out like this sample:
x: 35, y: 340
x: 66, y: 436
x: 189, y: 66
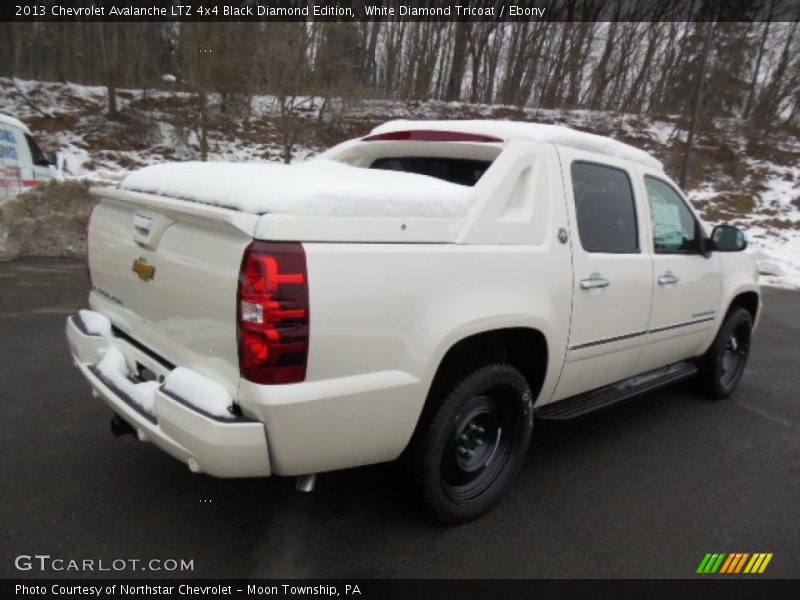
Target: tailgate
x: 166, y: 272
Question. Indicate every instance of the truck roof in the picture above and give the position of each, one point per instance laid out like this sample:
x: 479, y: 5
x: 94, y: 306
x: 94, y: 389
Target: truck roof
x: 14, y: 123
x: 538, y: 132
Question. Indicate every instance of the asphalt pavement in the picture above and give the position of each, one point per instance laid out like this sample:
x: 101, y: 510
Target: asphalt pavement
x: 642, y: 490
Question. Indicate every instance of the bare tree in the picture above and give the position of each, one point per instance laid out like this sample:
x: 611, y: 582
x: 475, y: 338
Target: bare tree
x: 698, y: 95
x: 458, y: 61
x: 751, y: 93
x: 109, y: 38
x: 645, y: 59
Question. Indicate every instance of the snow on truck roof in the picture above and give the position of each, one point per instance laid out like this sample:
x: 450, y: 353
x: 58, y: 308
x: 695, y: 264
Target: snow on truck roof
x: 539, y: 132
x: 14, y: 123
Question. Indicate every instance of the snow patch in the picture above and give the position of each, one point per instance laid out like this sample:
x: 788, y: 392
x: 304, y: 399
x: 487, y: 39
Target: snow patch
x: 113, y: 367
x: 786, y: 282
x: 95, y: 323
x: 778, y: 261
x: 199, y: 391
x: 661, y: 131
x: 314, y: 188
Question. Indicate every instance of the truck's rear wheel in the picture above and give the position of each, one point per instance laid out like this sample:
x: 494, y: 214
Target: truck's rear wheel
x: 722, y: 366
x: 470, y: 447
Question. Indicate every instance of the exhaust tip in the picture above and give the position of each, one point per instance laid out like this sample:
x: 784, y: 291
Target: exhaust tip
x: 306, y: 483
x: 120, y: 426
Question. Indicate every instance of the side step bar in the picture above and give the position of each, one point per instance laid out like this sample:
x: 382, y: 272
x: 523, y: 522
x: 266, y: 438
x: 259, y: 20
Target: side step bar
x: 589, y: 402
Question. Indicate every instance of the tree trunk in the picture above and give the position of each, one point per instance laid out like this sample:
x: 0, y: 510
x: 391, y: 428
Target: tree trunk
x: 203, y: 126
x: 698, y: 94
x: 18, y: 43
x: 108, y: 54
x: 370, y: 68
x: 515, y: 65
x: 458, y: 63
x: 633, y: 103
x: 748, y: 106
x: 600, y: 75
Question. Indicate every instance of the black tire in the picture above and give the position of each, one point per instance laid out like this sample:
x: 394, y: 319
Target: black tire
x: 471, y: 443
x: 722, y: 365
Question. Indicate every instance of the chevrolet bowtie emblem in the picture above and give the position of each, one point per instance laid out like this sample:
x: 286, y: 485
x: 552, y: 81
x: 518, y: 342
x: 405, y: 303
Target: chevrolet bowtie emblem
x: 143, y: 270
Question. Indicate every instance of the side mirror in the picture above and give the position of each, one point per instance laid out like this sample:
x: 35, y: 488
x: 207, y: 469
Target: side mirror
x: 52, y: 158
x: 727, y: 238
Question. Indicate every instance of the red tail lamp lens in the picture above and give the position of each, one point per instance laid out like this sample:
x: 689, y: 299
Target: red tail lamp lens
x: 273, y: 313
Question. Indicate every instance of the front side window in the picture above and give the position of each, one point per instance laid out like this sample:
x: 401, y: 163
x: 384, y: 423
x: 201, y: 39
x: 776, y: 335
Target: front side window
x: 675, y: 230
x: 605, y: 209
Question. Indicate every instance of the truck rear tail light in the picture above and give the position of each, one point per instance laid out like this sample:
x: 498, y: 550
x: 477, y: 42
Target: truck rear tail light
x: 273, y: 313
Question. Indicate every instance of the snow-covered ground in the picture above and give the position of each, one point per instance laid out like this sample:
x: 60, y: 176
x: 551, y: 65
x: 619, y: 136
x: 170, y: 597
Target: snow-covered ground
x: 753, y: 185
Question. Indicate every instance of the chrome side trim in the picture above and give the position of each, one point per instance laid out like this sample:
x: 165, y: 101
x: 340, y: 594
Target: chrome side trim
x: 618, y: 338
x: 677, y: 325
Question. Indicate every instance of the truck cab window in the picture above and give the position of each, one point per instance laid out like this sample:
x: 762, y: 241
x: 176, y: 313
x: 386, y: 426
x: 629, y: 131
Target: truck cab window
x: 675, y: 230
x: 605, y: 209
x: 455, y: 170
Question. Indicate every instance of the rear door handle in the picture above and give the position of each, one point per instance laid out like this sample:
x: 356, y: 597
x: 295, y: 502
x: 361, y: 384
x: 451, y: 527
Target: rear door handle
x: 668, y: 279
x: 593, y: 282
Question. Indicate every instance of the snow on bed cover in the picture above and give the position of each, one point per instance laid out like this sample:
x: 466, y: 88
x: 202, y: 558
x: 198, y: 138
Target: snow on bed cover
x: 540, y: 132
x: 314, y: 188
x: 112, y: 366
x: 95, y: 323
x: 199, y: 391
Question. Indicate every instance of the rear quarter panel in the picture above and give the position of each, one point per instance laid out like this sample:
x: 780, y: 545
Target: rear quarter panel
x: 382, y: 318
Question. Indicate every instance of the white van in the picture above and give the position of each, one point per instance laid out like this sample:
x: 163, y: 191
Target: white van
x: 23, y: 165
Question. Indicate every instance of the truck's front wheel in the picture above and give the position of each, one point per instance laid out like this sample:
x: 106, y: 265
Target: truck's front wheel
x: 470, y: 447
x: 722, y: 366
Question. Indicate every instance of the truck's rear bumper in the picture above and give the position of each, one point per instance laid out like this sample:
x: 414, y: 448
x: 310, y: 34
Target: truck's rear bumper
x: 223, y: 448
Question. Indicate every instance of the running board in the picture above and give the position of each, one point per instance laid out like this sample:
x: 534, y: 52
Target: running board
x: 588, y: 402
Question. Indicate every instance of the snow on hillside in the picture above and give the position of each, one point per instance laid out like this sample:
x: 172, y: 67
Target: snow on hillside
x: 750, y: 182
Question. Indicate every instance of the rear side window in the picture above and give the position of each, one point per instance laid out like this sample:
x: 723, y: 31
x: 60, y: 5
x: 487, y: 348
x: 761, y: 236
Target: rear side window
x: 455, y: 170
x: 37, y: 156
x: 605, y: 208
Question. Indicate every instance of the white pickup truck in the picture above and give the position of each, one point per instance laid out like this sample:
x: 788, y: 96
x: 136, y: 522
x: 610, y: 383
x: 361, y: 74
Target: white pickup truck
x: 423, y: 292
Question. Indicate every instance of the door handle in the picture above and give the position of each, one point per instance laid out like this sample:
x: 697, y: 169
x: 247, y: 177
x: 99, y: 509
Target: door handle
x: 668, y: 279
x: 593, y: 283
